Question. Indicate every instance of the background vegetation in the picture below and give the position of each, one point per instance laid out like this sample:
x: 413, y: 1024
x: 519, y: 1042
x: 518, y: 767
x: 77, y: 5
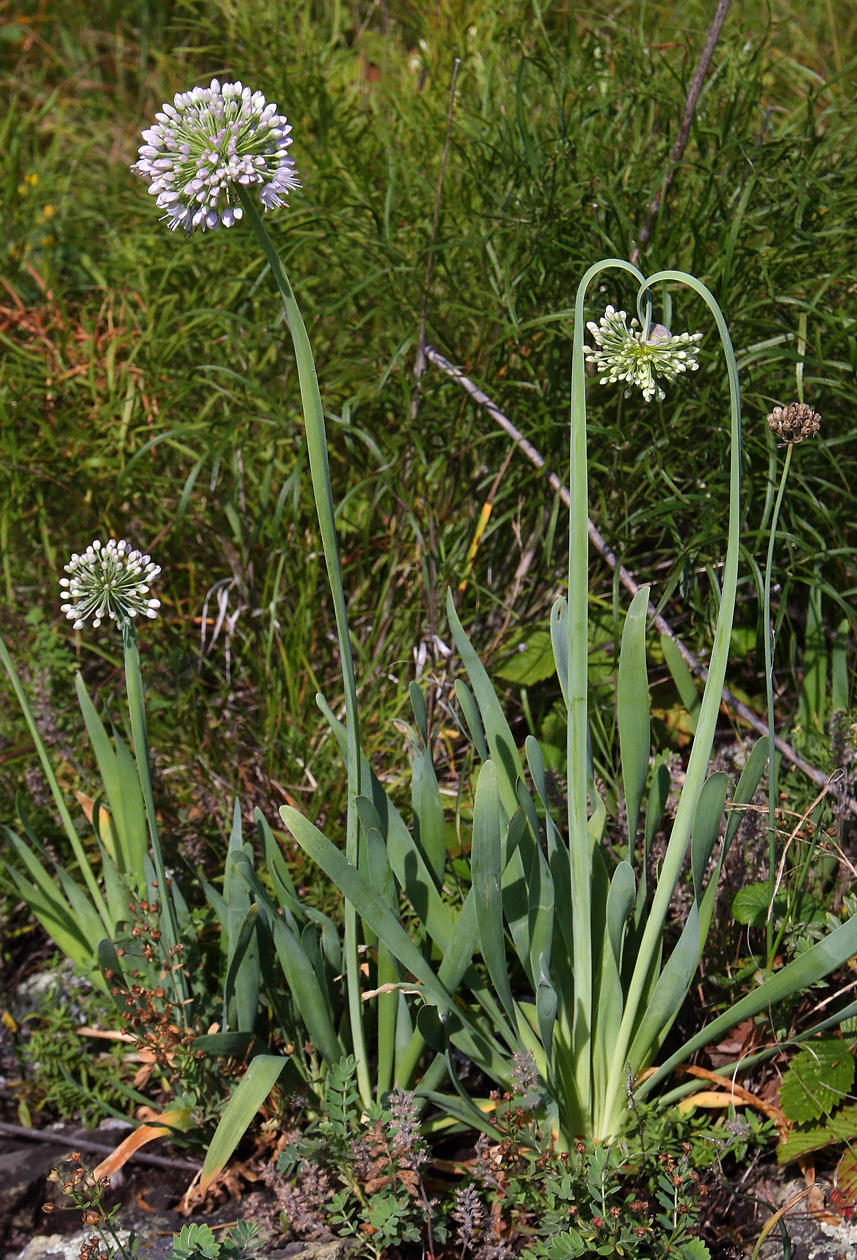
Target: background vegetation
x: 147, y: 386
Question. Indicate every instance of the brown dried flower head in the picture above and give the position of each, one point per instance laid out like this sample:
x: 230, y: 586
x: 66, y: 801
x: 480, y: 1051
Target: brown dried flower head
x: 794, y: 423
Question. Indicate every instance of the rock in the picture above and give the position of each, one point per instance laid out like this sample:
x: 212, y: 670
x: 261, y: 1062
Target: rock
x: 61, y: 1247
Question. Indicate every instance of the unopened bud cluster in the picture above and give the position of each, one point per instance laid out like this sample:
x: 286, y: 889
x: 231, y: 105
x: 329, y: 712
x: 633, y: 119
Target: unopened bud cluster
x: 209, y: 142
x: 794, y: 423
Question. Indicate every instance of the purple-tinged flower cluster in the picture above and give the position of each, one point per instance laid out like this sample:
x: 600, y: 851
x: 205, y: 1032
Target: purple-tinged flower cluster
x: 209, y: 141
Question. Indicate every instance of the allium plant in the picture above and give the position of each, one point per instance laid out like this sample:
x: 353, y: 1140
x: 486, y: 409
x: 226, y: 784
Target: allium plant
x: 595, y: 998
x: 109, y: 582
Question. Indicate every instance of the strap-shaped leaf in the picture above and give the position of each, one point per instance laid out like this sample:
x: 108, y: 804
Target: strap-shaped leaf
x: 54, y: 914
x: 299, y: 972
x: 409, y: 867
x: 472, y: 720
x: 242, y: 983
x: 124, y: 798
x: 661, y: 1009
x: 485, y: 860
x: 632, y: 707
x: 706, y: 824
x: 557, y: 851
x: 559, y: 639
x: 805, y: 970
x: 406, y: 860
x: 369, y: 905
x: 244, y: 973
x: 840, y: 680
x: 620, y: 905
x: 253, y: 1088
x: 501, y: 742
x: 429, y: 821
x: 683, y: 679
x: 56, y: 792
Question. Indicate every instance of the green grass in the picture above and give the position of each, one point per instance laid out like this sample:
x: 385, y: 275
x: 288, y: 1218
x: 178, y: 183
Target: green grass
x: 149, y: 390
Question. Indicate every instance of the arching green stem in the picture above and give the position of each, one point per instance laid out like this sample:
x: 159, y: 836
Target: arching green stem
x: 706, y: 723
x: 580, y: 846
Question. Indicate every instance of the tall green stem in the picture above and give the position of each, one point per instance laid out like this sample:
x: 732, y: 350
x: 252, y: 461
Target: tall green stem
x: 139, y: 734
x: 770, y: 642
x: 316, y: 437
x: 580, y: 844
x: 697, y: 767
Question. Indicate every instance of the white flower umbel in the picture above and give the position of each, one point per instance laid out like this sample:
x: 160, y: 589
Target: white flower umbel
x: 208, y: 141
x: 622, y: 354
x: 109, y: 580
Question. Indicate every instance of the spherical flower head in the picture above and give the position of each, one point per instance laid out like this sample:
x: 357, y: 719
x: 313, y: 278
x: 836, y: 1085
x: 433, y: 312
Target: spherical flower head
x: 109, y: 580
x: 795, y: 423
x: 206, y: 144
x: 623, y: 354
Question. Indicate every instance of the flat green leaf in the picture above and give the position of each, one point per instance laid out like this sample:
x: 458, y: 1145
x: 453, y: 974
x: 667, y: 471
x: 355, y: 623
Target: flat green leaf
x: 353, y: 885
x: 818, y: 1079
x: 666, y: 1000
x: 242, y: 974
x: 472, y: 720
x: 112, y: 780
x: 559, y: 639
x: 429, y: 821
x: 501, y: 743
x: 405, y: 858
x: 254, y: 1087
x: 750, y: 905
x: 485, y: 859
x: 797, y: 976
x: 232, y: 1045
x: 301, y: 977
x: 706, y: 823
x: 841, y: 1128
x: 532, y: 659
x: 632, y: 708
x: 840, y: 697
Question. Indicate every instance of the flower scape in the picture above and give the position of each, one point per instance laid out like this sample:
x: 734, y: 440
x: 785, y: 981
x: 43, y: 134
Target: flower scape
x: 207, y: 142
x: 109, y: 580
x: 623, y: 354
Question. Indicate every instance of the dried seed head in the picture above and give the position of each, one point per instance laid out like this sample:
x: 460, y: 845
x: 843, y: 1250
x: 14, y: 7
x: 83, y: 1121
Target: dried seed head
x: 794, y: 423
